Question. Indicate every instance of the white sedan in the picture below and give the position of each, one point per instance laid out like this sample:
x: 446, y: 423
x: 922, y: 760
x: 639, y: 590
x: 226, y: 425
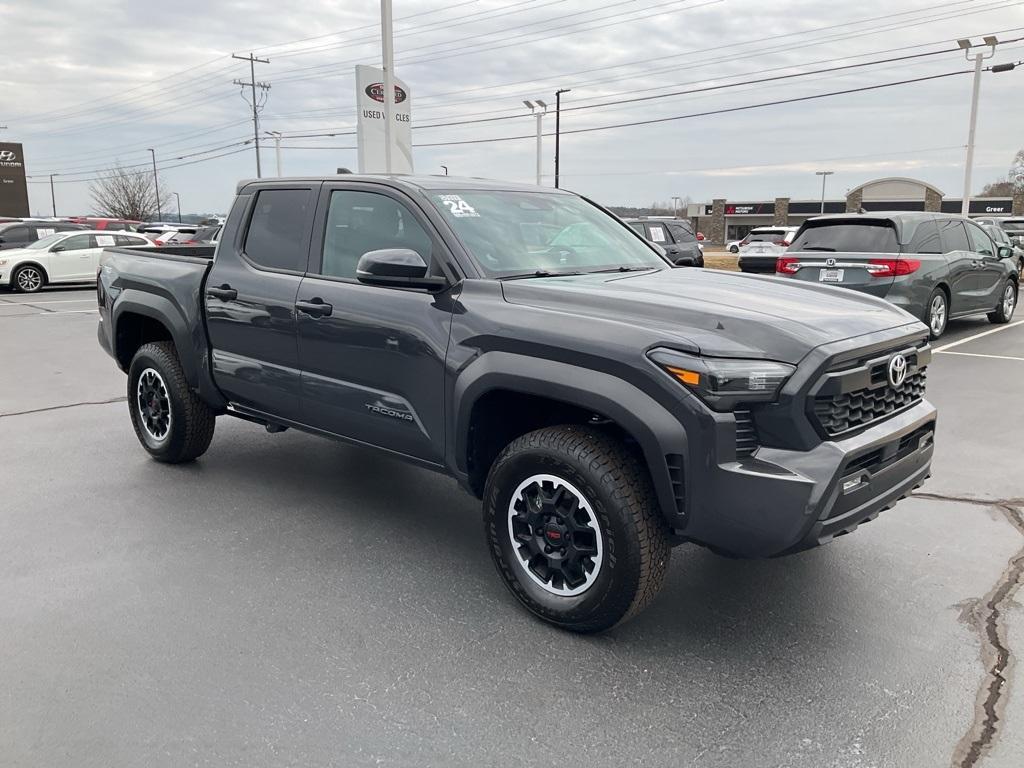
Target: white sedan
x: 64, y: 257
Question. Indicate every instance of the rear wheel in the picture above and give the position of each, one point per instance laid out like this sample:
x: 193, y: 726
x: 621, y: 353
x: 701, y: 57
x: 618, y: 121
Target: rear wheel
x: 170, y: 420
x: 1007, y: 304
x: 28, y: 279
x: 574, y: 529
x: 937, y: 313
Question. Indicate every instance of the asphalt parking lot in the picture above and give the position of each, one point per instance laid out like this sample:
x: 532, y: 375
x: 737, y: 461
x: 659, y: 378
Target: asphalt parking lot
x: 291, y: 601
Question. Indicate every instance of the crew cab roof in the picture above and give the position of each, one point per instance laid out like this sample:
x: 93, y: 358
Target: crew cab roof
x: 407, y: 182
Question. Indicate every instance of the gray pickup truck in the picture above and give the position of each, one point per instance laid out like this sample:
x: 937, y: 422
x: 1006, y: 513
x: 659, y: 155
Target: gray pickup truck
x: 602, y: 404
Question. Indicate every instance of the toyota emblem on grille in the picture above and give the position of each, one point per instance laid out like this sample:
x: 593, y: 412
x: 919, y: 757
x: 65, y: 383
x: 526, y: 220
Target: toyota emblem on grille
x: 897, y: 370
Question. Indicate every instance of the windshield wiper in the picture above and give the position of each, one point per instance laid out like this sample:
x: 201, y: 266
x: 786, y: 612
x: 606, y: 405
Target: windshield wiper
x: 818, y: 248
x: 621, y: 269
x: 538, y: 273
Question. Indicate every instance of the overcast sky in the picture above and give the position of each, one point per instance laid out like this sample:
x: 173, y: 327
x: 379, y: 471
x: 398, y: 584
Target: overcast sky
x: 89, y: 83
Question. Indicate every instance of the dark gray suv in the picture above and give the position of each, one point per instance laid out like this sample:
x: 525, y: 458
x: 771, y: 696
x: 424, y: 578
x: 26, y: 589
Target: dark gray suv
x: 933, y: 265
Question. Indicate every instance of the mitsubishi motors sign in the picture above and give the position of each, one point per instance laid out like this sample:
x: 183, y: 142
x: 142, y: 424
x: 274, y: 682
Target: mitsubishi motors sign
x: 13, y: 187
x: 370, y: 123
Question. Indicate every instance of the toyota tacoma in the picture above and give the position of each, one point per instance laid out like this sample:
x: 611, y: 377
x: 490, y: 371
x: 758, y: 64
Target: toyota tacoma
x: 604, y: 405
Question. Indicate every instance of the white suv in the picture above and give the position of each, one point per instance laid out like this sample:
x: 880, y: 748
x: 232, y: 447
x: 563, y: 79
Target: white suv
x: 63, y: 257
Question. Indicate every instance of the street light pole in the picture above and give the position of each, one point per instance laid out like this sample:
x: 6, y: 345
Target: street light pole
x: 156, y: 186
x: 177, y: 198
x: 53, y: 197
x: 539, y: 109
x: 558, y: 127
x: 824, y: 175
x: 966, y: 45
x: 388, y: 52
x: 277, y: 148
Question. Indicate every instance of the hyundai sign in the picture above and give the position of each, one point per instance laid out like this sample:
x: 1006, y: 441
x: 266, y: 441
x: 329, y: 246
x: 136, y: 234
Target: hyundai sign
x: 13, y: 188
x: 370, y: 123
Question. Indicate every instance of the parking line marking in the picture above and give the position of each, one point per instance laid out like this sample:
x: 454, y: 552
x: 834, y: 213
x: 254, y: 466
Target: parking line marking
x: 978, y: 336
x: 976, y: 354
x: 60, y: 301
x: 67, y: 312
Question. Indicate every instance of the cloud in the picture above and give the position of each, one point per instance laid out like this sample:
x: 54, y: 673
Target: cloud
x: 88, y: 84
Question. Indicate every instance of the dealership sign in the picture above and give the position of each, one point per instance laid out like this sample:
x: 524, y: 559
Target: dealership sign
x: 13, y: 187
x: 370, y: 135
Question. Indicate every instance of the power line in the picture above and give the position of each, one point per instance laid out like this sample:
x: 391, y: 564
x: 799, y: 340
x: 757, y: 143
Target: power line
x: 264, y: 87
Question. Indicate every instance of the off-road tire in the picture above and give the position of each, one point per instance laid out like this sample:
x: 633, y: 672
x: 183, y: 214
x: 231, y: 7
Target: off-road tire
x: 1002, y: 313
x: 192, y: 422
x: 619, y: 491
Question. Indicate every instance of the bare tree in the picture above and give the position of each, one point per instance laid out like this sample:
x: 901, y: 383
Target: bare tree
x: 1015, y: 179
x: 997, y: 189
x: 127, y: 194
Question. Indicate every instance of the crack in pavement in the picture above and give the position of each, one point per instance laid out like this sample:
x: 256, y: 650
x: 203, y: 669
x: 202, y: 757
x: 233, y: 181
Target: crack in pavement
x: 67, y: 405
x: 986, y: 616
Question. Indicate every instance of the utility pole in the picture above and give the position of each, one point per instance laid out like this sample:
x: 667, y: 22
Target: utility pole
x: 177, y: 197
x: 387, y: 44
x: 156, y: 186
x: 539, y: 109
x: 277, y: 149
x: 677, y: 204
x: 824, y: 175
x: 255, y: 104
x: 966, y: 45
x: 53, y: 197
x: 558, y: 127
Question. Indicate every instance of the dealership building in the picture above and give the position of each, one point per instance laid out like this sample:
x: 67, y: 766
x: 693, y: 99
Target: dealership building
x: 722, y: 220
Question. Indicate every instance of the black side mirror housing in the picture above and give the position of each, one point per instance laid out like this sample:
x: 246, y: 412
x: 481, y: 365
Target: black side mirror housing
x: 57, y: 249
x: 397, y: 268
x: 1005, y: 252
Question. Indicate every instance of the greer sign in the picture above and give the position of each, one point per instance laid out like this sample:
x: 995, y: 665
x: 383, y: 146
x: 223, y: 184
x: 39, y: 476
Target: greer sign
x: 13, y: 187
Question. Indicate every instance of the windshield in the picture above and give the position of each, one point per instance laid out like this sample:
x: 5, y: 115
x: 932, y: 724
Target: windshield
x: 516, y: 233
x: 46, y: 242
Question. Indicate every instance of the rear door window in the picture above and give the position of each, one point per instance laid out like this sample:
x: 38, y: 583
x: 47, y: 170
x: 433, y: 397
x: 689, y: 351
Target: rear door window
x: 278, y: 235
x: 954, y: 238
x: 848, y: 237
x: 639, y: 228
x: 925, y: 238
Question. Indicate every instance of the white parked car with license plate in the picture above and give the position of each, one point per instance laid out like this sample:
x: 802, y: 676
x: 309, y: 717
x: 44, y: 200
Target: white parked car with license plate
x: 63, y: 257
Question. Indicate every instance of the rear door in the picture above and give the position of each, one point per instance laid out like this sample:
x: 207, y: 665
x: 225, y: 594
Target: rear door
x: 250, y: 299
x: 963, y: 264
x: 373, y: 358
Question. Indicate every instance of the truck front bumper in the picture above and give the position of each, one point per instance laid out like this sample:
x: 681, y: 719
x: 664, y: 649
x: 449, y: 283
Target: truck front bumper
x: 781, y: 501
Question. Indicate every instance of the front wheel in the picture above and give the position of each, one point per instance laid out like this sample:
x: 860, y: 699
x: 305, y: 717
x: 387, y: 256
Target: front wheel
x: 1007, y: 304
x: 937, y: 313
x: 170, y: 420
x: 28, y: 279
x: 573, y: 528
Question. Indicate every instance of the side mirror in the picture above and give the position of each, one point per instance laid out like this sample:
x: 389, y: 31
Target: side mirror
x: 1, y: 240
x: 1005, y: 252
x: 57, y: 249
x: 397, y: 268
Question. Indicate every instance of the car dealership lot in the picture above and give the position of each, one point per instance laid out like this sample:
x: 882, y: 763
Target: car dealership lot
x: 289, y: 601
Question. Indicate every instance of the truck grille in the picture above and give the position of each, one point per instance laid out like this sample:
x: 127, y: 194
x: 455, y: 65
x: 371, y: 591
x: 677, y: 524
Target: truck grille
x: 856, y: 393
x: 842, y: 413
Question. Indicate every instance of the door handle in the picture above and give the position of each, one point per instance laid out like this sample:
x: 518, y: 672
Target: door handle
x: 224, y: 293
x: 315, y: 307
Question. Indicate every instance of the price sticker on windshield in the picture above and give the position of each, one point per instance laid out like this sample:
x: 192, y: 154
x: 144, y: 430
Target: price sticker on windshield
x: 458, y: 207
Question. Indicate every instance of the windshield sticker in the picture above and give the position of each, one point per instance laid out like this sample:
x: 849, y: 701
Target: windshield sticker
x: 45, y: 232
x: 658, y: 234
x: 104, y: 240
x: 458, y: 207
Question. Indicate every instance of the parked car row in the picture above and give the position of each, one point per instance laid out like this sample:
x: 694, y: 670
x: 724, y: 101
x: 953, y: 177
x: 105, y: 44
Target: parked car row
x: 66, y: 256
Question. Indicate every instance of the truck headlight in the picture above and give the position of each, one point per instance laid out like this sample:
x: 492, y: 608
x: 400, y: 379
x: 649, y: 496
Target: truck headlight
x: 723, y: 383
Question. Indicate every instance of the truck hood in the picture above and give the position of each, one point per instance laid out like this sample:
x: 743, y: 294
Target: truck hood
x: 716, y: 313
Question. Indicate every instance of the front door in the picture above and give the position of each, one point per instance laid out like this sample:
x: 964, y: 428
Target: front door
x: 250, y: 300
x: 989, y: 272
x: 73, y: 258
x: 372, y: 357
